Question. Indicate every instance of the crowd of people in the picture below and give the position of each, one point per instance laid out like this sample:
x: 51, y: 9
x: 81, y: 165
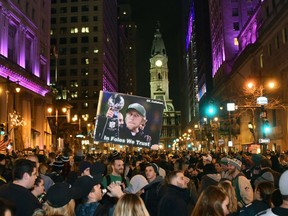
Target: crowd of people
x: 144, y: 183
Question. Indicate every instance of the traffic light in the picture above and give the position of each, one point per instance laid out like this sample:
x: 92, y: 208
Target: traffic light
x: 211, y: 110
x: 2, y: 129
x: 266, y: 128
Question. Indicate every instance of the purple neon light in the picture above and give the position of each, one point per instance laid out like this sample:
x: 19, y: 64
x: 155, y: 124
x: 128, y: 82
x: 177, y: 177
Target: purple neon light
x: 14, y: 77
x: 190, y: 27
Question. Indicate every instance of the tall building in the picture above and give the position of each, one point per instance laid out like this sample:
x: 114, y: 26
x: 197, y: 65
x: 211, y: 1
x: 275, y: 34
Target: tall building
x: 159, y: 89
x: 227, y: 18
x: 127, y: 50
x: 84, y: 42
x: 249, y: 43
x: 24, y: 63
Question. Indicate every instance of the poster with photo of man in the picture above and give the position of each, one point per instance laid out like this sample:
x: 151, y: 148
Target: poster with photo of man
x: 128, y: 119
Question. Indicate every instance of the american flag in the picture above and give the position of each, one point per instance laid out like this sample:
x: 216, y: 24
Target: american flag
x: 4, y: 143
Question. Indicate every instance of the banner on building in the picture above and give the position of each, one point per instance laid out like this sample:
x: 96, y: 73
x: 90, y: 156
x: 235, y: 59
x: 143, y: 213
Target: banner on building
x: 128, y: 119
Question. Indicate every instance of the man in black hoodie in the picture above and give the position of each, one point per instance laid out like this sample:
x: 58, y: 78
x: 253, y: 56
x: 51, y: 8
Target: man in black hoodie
x: 174, y: 201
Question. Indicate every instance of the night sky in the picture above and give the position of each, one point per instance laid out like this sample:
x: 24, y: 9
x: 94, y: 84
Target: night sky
x: 145, y: 14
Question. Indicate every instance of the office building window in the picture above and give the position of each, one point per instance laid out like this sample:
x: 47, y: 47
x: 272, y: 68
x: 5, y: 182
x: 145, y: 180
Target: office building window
x: 62, y: 62
x: 53, y: 20
x: 73, y: 83
x: 63, y: 19
x: 74, y: 9
x: 85, y: 30
x: 63, y: 40
x: 73, y: 40
x: 85, y: 94
x: 62, y: 73
x: 84, y: 8
x: 235, y: 12
x: 63, y: 50
x: 236, y: 26
x: 85, y: 50
x: 84, y: 72
x: 85, y: 19
x: 85, y: 105
x: 63, y: 30
x: 74, y: 30
x: 74, y: 19
x: 63, y: 10
x: 284, y: 35
x: 95, y: 28
x: 73, y: 50
x: 73, y: 72
x: 74, y: 94
x: 84, y: 82
x: 277, y: 45
x: 261, y: 60
x: 85, y: 39
x: 73, y: 61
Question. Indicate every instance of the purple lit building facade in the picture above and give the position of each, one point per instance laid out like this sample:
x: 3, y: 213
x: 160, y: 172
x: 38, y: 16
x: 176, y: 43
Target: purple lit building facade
x: 85, y: 61
x: 249, y: 41
x: 227, y: 18
x: 24, y: 61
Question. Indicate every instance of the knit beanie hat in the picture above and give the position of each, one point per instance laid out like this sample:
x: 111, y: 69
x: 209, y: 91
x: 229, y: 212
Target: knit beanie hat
x: 235, y: 162
x: 154, y: 166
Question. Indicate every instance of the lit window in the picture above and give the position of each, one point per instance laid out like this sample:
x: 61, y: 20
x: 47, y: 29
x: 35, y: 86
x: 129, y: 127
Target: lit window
x: 284, y: 35
x: 130, y: 47
x: 85, y: 29
x: 236, y: 43
x: 261, y: 60
x: 51, y: 32
x: 74, y: 30
x: 87, y: 61
x: 95, y: 50
x: 124, y: 12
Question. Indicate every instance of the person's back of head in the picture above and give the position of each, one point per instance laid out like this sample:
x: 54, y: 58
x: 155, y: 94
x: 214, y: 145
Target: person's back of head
x: 266, y: 163
x: 130, y: 205
x: 21, y: 167
x: 265, y: 190
x: 210, y: 202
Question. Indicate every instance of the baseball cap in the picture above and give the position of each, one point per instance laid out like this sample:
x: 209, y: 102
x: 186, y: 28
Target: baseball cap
x: 60, y: 194
x: 85, y: 184
x: 138, y: 107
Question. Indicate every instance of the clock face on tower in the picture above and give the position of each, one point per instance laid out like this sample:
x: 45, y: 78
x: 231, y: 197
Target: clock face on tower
x: 158, y: 63
x: 169, y: 108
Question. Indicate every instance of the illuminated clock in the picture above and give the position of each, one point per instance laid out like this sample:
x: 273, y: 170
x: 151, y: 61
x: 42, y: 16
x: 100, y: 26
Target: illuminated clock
x: 169, y: 108
x: 158, y: 63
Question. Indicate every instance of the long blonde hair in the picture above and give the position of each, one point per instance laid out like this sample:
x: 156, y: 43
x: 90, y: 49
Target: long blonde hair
x: 66, y: 210
x: 227, y: 186
x: 130, y: 205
